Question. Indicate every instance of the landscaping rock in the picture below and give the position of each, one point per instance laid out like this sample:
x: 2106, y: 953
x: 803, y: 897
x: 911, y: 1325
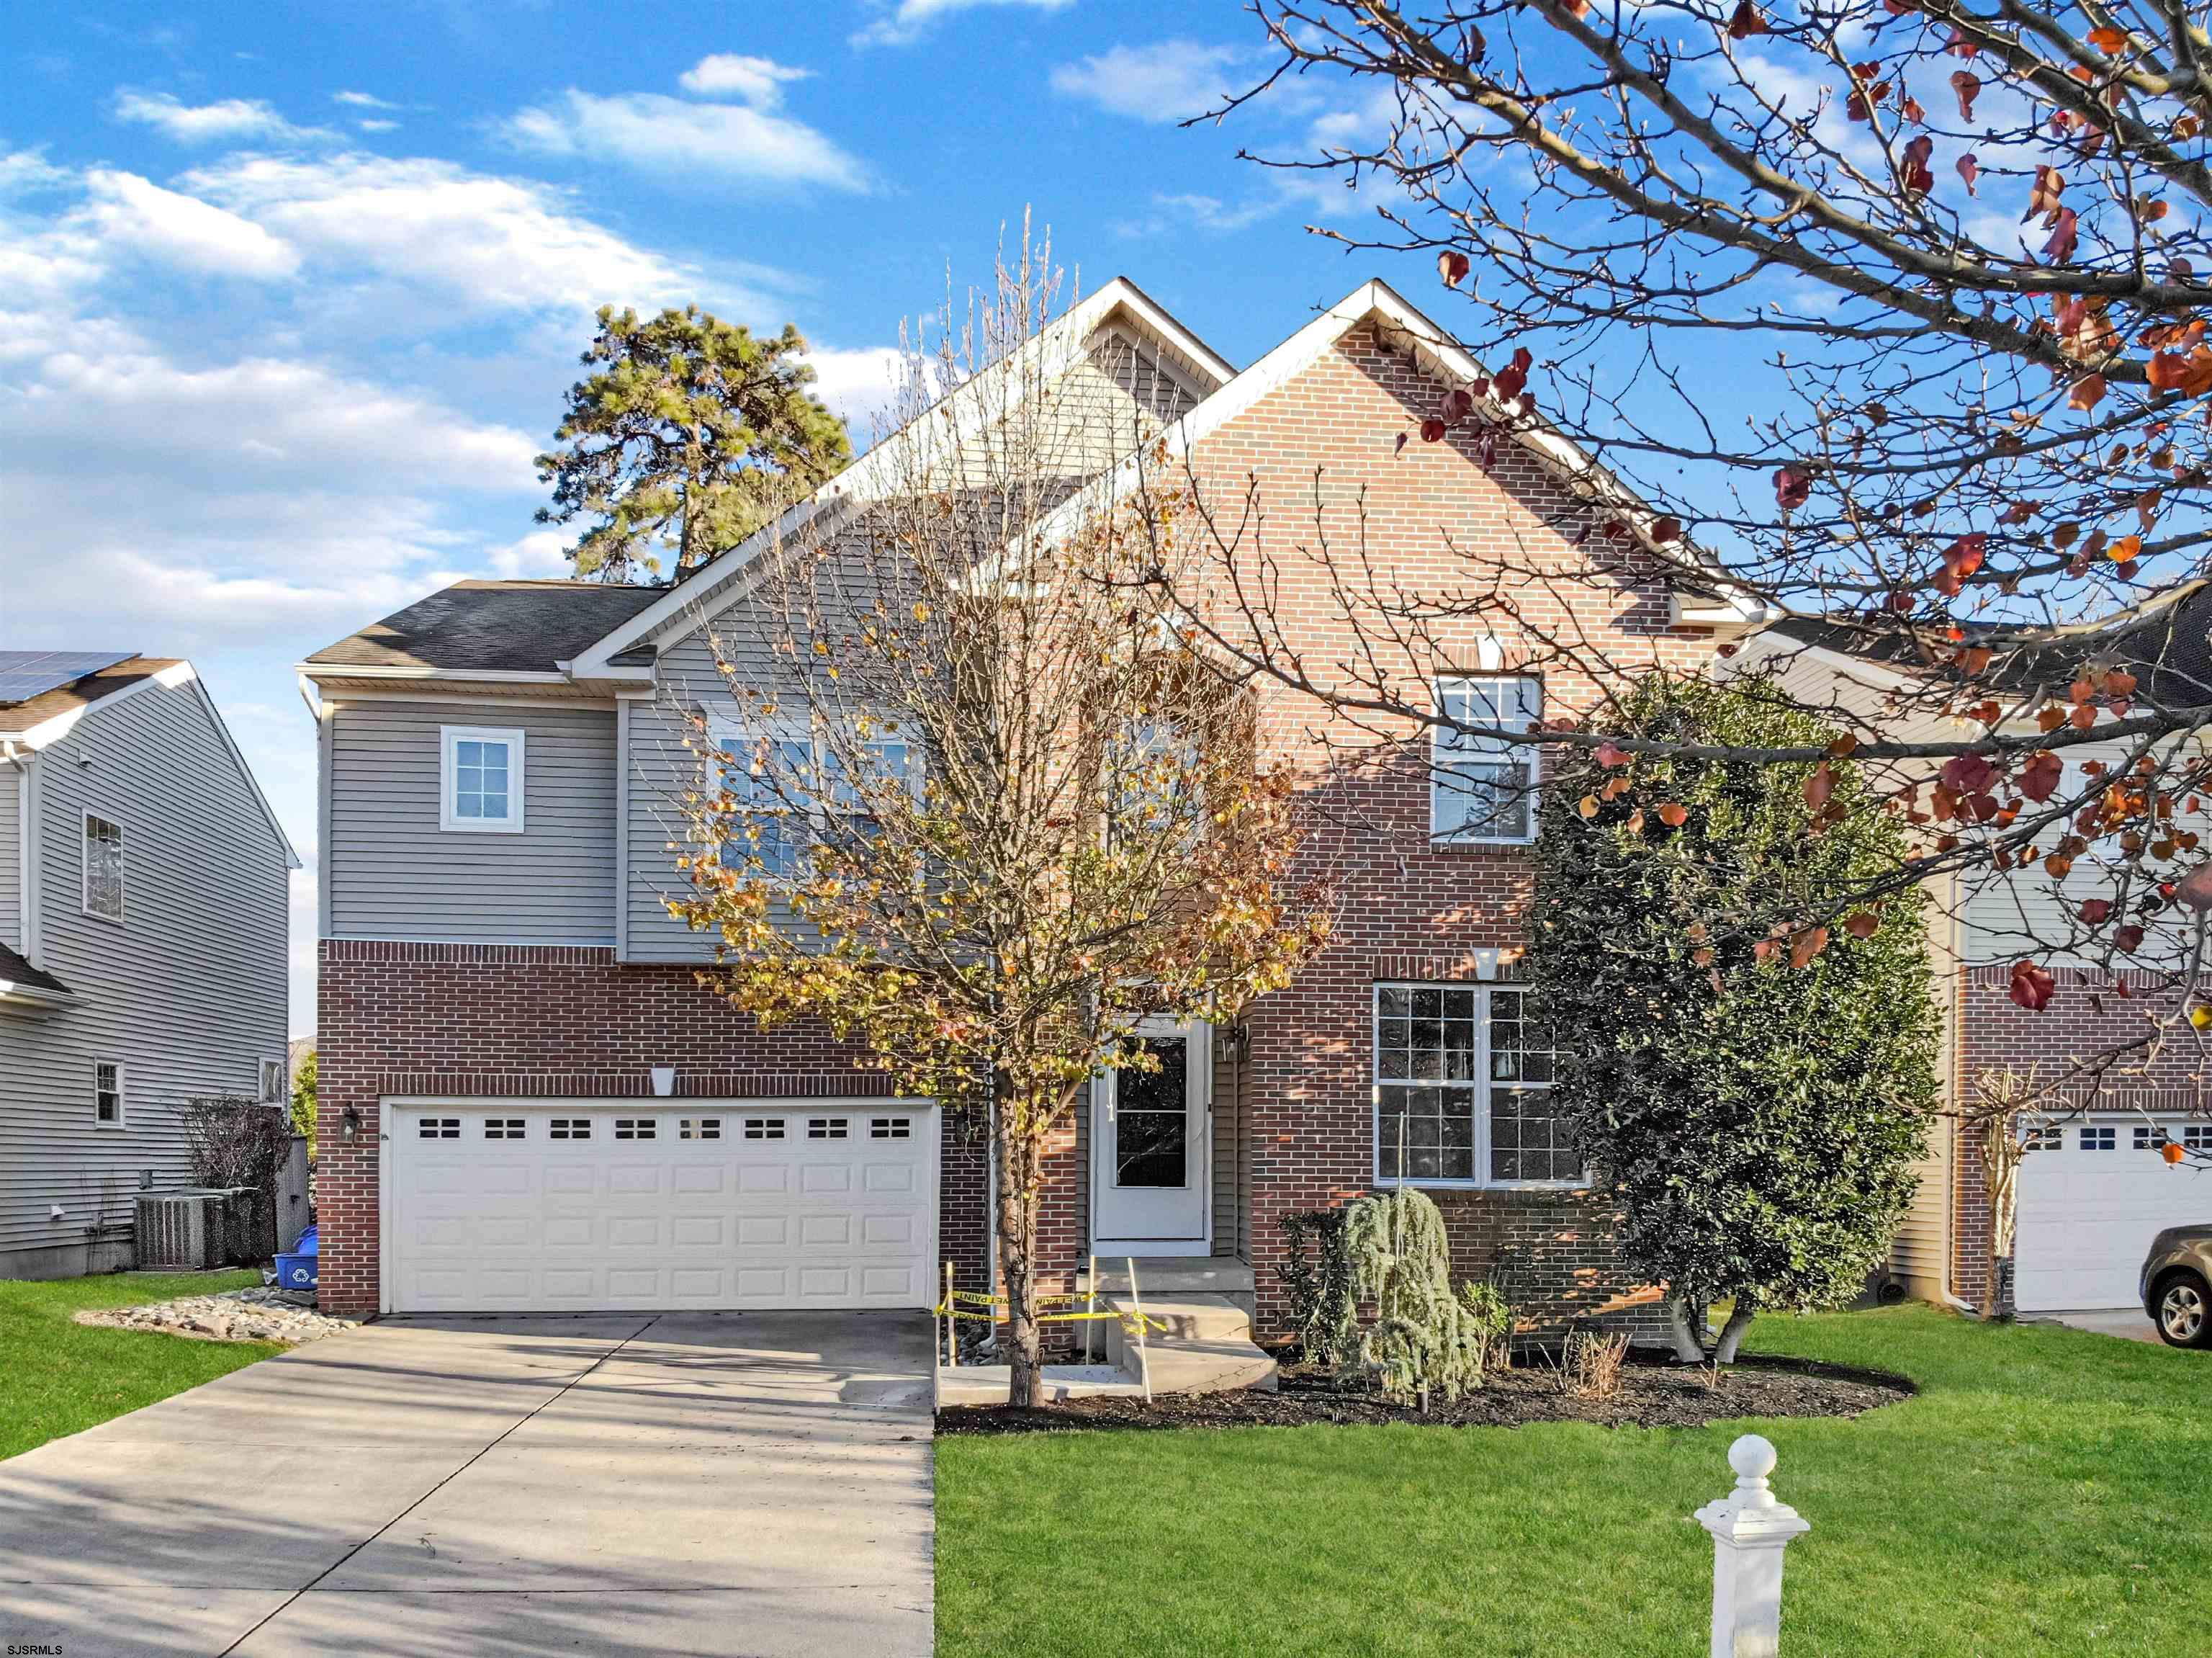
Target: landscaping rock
x: 251, y: 1314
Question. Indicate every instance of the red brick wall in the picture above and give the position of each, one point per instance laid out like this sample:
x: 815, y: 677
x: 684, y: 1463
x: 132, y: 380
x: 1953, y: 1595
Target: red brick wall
x: 2086, y: 1018
x: 532, y: 1021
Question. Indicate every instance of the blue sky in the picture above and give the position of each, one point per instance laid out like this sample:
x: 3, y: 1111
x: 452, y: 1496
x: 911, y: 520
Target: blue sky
x: 289, y: 294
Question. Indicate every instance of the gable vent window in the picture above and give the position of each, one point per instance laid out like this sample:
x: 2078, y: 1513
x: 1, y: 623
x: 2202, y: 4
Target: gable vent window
x: 700, y: 1128
x: 890, y: 1128
x: 2100, y: 1139
x: 825, y: 1128
x: 636, y: 1128
x: 763, y: 1128
x: 569, y: 1128
x: 439, y: 1128
x: 503, y: 1128
x: 103, y: 869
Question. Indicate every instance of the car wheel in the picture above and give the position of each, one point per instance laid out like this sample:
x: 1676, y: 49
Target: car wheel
x: 2184, y: 1311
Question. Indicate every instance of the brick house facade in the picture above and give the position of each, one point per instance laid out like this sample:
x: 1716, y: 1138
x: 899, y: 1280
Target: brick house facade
x: 1295, y: 1091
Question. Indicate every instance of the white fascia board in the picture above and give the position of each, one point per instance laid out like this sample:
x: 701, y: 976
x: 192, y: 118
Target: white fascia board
x: 32, y: 995
x: 1059, y: 346
x: 321, y: 671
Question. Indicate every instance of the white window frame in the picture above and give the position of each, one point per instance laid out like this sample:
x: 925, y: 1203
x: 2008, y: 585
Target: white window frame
x: 725, y: 732
x: 450, y: 737
x: 280, y: 1095
x: 1443, y: 758
x: 1482, y: 1181
x: 122, y: 869
x: 122, y: 1118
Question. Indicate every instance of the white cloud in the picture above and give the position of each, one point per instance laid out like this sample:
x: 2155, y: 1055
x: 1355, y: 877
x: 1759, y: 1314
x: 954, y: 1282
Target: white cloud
x: 24, y: 170
x: 377, y: 126
x: 860, y: 387
x: 757, y: 81
x: 1167, y: 81
x: 481, y: 243
x: 897, y: 22
x: 183, y: 231
x: 226, y: 121
x: 361, y: 100
x: 659, y: 134
x: 540, y: 553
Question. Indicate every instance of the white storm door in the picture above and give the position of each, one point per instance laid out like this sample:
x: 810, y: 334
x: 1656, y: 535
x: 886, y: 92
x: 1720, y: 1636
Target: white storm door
x: 1151, y: 1179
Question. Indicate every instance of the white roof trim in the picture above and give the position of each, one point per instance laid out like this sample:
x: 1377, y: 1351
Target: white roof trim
x: 37, y: 997
x: 319, y: 671
x: 874, y: 470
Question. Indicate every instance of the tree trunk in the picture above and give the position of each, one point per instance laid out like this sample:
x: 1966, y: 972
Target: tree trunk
x: 1017, y: 1153
x: 1687, y: 1323
x: 1740, y: 1318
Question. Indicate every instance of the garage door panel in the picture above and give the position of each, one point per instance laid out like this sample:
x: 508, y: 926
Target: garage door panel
x: 2088, y: 1209
x: 557, y: 1208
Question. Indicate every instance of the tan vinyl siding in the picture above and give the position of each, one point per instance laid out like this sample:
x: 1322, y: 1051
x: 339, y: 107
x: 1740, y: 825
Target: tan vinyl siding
x: 188, y: 992
x: 393, y: 872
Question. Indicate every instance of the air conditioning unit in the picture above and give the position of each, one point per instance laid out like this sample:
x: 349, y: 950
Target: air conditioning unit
x: 179, y: 1231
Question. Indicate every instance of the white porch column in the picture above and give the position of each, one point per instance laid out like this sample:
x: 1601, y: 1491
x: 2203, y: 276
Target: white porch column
x: 1750, y: 1531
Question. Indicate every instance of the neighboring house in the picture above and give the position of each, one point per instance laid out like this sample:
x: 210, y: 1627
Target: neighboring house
x: 143, y: 910
x: 2096, y: 1187
x: 501, y: 979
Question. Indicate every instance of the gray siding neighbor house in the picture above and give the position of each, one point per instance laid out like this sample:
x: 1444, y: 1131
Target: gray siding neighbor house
x: 143, y: 914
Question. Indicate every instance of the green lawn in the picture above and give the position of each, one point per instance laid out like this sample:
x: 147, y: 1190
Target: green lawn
x: 2048, y: 1491
x: 58, y: 1377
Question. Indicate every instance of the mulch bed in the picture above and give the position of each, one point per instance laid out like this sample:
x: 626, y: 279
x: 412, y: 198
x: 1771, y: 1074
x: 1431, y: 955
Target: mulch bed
x: 1652, y: 1394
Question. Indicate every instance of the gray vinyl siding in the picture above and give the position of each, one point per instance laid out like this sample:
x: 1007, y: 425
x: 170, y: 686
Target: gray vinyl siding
x: 392, y: 873
x: 11, y: 860
x: 188, y: 992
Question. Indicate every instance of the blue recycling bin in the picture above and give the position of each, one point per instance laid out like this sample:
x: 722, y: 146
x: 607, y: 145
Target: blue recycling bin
x: 297, y: 1269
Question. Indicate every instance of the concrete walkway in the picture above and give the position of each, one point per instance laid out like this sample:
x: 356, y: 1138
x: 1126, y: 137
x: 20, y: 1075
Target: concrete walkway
x: 726, y: 1483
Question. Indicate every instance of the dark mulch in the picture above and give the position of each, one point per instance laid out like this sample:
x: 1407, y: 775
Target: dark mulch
x: 1651, y: 1395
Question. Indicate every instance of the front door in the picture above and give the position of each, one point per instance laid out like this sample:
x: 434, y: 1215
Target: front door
x: 1150, y: 1181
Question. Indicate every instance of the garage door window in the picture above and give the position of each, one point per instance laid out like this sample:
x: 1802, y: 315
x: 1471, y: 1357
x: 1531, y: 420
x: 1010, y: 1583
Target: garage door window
x: 2045, y: 1137
x: 503, y: 1128
x: 825, y: 1128
x: 699, y: 1128
x: 2099, y: 1138
x: 2198, y: 1137
x: 891, y: 1128
x: 2150, y: 1137
x: 763, y: 1128
x: 636, y: 1128
x: 569, y: 1128
x: 439, y: 1128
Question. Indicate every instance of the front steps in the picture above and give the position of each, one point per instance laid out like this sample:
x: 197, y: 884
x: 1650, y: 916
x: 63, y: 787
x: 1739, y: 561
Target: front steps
x: 1206, y: 1347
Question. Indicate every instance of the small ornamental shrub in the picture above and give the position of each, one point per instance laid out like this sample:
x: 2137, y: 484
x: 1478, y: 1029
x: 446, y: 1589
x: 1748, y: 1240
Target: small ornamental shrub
x: 1746, y: 1053
x: 1316, y: 1278
x: 1424, y: 1338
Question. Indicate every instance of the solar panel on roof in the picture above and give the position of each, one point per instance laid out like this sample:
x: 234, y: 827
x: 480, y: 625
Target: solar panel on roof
x: 28, y: 674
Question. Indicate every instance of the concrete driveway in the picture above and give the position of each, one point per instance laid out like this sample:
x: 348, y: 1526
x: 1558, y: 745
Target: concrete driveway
x: 726, y: 1483
x: 2130, y: 1323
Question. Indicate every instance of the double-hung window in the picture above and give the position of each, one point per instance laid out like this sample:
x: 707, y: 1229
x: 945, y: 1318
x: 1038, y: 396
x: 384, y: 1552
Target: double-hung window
x: 107, y: 1093
x: 782, y: 783
x: 480, y: 779
x: 103, y: 868
x: 1463, y: 1090
x: 1483, y: 788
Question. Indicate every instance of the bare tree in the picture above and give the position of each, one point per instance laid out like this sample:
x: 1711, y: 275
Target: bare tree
x: 967, y: 802
x: 1879, y: 324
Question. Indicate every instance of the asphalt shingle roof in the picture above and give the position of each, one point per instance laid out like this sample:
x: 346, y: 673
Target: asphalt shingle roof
x: 492, y: 626
x: 82, y: 693
x: 14, y: 969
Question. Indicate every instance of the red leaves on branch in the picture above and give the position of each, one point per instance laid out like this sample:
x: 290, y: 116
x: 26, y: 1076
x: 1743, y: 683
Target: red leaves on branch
x: 1969, y: 170
x: 1746, y: 21
x: 2032, y: 987
x: 1432, y: 430
x: 1961, y: 559
x: 2108, y: 40
x: 2060, y: 248
x: 1966, y: 774
x: 1509, y: 381
x: 1452, y: 265
x: 1968, y: 86
x: 1867, y: 91
x: 2040, y: 778
x: 2096, y: 911
x: 1820, y: 786
x: 2128, y: 939
x: 1918, y: 180
x: 2088, y: 391
x: 1793, y: 486
x: 2042, y: 196
x: 2191, y: 375
x: 1459, y: 404
x: 1862, y: 923
x: 1607, y: 754
x: 1806, y: 945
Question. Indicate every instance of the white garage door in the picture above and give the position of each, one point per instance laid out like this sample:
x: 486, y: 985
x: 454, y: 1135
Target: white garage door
x: 2090, y: 1205
x: 576, y: 1207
